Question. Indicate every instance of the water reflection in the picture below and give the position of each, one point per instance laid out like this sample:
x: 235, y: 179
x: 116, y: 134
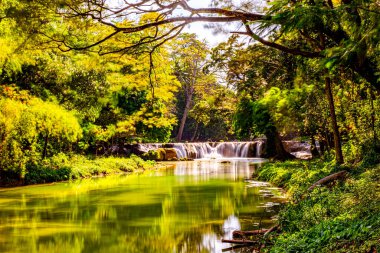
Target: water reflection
x: 232, y: 168
x: 189, y: 208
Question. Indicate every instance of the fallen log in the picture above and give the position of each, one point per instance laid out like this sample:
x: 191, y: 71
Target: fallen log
x: 234, y: 247
x: 247, y: 242
x: 274, y: 228
x: 330, y: 178
x: 249, y: 232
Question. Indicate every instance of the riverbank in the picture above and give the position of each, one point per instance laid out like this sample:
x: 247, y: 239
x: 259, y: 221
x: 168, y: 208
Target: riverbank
x: 64, y: 167
x: 342, y: 216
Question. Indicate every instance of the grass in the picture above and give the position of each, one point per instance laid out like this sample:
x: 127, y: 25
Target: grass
x: 63, y: 167
x: 341, y: 217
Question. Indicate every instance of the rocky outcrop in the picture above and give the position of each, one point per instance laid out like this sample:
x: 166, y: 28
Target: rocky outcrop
x: 155, y: 155
x: 190, y: 151
x: 170, y: 154
x: 301, y: 150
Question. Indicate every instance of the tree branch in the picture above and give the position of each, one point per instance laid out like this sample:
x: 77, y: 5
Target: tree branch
x: 325, y: 180
x: 293, y: 51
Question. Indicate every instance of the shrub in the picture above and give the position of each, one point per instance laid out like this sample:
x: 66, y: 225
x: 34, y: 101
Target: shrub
x: 340, y: 218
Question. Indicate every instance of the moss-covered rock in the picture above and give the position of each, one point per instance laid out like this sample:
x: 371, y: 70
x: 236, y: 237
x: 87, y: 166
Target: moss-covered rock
x: 155, y: 155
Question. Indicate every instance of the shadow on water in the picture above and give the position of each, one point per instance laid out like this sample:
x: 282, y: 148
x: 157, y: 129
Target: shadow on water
x: 187, y: 208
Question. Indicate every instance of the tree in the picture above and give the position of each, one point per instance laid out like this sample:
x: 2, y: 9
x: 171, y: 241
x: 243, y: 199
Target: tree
x: 253, y: 119
x: 344, y: 33
x: 28, y: 125
x: 212, y: 114
x: 189, y: 57
x: 330, y: 45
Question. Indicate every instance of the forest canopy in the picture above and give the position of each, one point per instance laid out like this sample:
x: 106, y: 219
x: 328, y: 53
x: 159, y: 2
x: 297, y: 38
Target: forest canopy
x: 84, y: 82
x: 126, y: 72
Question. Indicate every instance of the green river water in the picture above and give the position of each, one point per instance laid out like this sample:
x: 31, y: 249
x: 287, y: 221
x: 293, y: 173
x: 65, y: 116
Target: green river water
x: 188, y: 207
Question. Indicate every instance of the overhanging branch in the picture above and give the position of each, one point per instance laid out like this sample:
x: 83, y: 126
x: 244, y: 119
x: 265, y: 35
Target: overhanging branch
x: 293, y: 51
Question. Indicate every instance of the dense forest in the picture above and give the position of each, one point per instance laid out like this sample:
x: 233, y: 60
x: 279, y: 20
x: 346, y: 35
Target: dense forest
x: 75, y: 80
x: 81, y: 76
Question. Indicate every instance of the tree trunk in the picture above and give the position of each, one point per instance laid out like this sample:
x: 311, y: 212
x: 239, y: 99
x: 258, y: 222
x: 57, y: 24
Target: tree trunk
x: 313, y: 148
x: 337, y: 142
x: 322, y: 146
x: 195, y: 131
x: 325, y: 180
x: 330, y: 141
x: 274, y: 147
x: 184, y: 116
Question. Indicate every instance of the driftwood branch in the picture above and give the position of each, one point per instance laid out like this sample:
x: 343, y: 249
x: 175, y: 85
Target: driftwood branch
x: 272, y: 229
x: 330, y: 178
x: 247, y: 242
x: 234, y: 247
x: 249, y: 233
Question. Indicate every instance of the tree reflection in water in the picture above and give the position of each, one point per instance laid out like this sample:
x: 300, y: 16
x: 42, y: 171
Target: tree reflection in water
x: 189, y: 208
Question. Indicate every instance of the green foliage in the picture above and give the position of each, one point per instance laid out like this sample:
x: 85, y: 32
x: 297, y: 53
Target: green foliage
x: 28, y: 125
x: 370, y: 152
x: 340, y: 235
x: 62, y: 167
x: 295, y: 175
x: 71, y: 82
x: 340, y: 218
x: 130, y: 100
x: 43, y: 174
x: 289, y: 108
x: 113, y: 97
x: 155, y: 155
x: 252, y: 118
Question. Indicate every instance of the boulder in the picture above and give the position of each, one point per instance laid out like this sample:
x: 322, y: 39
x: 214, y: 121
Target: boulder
x: 156, y: 155
x: 170, y: 154
x: 192, y: 155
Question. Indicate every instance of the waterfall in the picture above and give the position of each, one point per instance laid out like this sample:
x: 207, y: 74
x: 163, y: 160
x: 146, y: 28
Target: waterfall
x: 245, y: 149
x: 259, y: 147
x: 180, y: 150
x: 146, y: 147
x: 213, y: 153
x: 209, y: 149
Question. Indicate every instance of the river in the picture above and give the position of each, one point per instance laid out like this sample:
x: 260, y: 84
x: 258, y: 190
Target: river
x: 187, y: 207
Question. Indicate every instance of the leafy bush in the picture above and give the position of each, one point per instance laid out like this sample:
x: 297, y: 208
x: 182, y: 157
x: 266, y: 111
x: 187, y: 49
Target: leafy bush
x: 62, y: 167
x: 340, y: 218
x: 29, y: 130
x: 41, y: 174
x: 371, y: 154
x: 296, y: 175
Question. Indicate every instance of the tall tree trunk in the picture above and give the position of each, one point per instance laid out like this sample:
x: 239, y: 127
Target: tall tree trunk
x: 337, y: 141
x: 313, y: 148
x: 195, y: 131
x: 184, y: 116
x: 274, y: 147
x: 322, y: 145
x: 329, y: 140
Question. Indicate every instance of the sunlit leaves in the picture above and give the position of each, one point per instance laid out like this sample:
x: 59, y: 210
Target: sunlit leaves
x: 25, y: 123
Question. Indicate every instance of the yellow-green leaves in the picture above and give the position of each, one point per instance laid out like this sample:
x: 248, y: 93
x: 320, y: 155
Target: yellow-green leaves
x: 25, y: 124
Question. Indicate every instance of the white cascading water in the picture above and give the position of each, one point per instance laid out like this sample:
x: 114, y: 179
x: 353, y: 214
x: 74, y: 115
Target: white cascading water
x: 212, y: 150
x: 213, y: 153
x: 180, y: 150
x: 145, y: 147
x: 259, y: 147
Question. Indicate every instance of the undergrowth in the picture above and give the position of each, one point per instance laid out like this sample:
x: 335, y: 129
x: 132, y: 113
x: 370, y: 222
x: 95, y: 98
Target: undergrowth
x: 62, y: 167
x: 339, y: 217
